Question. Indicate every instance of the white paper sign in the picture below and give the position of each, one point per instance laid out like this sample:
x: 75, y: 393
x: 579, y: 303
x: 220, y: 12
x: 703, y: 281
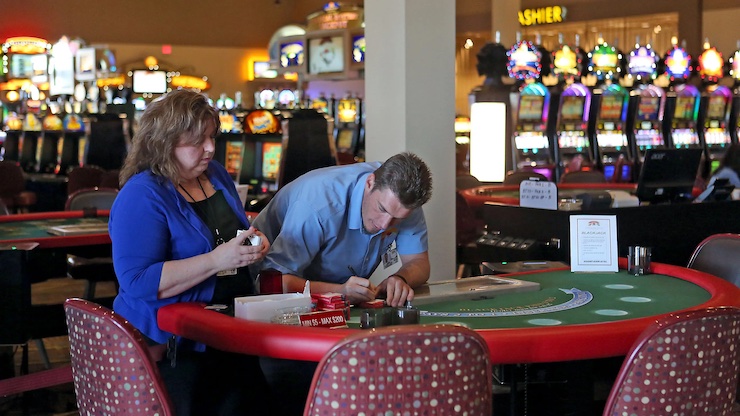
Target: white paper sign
x: 593, y: 243
x: 538, y: 194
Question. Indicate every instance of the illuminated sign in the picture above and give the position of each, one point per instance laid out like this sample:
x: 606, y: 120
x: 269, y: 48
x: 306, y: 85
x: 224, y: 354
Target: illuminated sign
x: 189, y: 81
x: 604, y: 61
x: 336, y: 16
x: 524, y: 61
x: 27, y: 45
x: 711, y: 64
x: 542, y: 15
x: 111, y: 81
x: 735, y: 65
x: 565, y: 61
x: 678, y: 63
x: 643, y: 62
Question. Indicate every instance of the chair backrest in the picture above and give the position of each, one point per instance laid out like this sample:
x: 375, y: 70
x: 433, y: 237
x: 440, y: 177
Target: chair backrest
x: 686, y: 363
x: 463, y: 181
x: 583, y: 176
x: 97, y: 198
x: 110, y: 179
x: 415, y: 369
x: 516, y: 177
x: 719, y: 255
x: 113, y: 371
x: 12, y: 181
x: 83, y: 177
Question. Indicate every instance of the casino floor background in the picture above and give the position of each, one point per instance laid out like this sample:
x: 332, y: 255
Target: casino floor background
x: 60, y: 400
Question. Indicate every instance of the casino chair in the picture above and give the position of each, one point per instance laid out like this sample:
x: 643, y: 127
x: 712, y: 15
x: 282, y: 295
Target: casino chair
x: 515, y: 177
x: 718, y: 255
x: 684, y: 363
x: 98, y: 337
x: 13, y: 191
x: 82, y: 177
x: 463, y: 181
x: 110, y: 179
x: 583, y: 176
x: 415, y: 369
x: 91, y: 269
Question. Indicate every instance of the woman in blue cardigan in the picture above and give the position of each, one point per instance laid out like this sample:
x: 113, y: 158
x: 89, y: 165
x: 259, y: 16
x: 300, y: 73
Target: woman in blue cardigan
x: 174, y: 232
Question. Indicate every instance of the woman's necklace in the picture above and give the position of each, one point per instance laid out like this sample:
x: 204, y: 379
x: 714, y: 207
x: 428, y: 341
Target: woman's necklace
x: 207, y: 212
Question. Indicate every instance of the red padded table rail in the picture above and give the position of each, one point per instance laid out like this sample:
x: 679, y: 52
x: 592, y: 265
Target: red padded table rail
x: 507, y: 345
x: 37, y: 219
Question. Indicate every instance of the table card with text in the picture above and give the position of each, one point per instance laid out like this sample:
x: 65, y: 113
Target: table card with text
x: 538, y: 194
x: 593, y: 243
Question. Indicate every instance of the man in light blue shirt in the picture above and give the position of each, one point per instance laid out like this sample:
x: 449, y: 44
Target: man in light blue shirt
x: 333, y: 226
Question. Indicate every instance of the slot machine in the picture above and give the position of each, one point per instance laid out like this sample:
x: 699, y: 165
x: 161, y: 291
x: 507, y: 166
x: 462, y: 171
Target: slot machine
x: 734, y: 62
x: 262, y: 150
x: 533, y: 129
x: 714, y: 111
x: 462, y: 145
x: 13, y: 132
x: 50, y: 143
x: 347, y: 124
x: 229, y: 147
x: 648, y: 122
x: 73, y: 143
x: 30, y: 143
x: 531, y: 132
x: 683, y: 103
x: 715, y: 124
x: 735, y: 110
x: 613, y: 153
x: 573, y: 150
x: 682, y: 100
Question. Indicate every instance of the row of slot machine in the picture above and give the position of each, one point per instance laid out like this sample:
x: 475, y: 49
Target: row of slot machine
x: 55, y: 98
x: 348, y: 114
x: 54, y: 142
x: 610, y: 124
x: 253, y: 141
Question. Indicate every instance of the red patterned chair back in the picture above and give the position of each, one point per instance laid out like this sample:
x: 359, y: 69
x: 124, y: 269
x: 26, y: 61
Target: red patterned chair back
x: 113, y: 371
x: 407, y: 369
x: 685, y: 363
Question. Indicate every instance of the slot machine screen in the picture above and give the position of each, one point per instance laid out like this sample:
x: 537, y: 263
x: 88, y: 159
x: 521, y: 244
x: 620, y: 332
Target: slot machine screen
x: 358, y: 49
x: 572, y: 108
x: 291, y: 54
x: 648, y: 108
x: 271, y: 160
x: 326, y: 55
x: 684, y: 108
x: 149, y: 82
x: 611, y: 107
x: 344, y: 139
x: 33, y: 67
x: 716, y: 109
x: 530, y: 107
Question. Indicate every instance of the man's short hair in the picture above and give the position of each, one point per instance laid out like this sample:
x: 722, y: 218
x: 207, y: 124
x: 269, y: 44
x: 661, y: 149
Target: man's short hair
x: 408, y: 177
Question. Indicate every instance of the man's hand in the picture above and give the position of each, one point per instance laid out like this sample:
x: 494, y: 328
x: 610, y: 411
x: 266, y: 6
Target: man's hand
x: 397, y: 291
x: 358, y: 289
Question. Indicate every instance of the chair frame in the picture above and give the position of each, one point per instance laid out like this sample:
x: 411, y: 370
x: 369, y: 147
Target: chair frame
x: 85, y: 191
x: 658, y: 328
x: 707, y: 244
x: 398, y: 333
x: 147, y: 364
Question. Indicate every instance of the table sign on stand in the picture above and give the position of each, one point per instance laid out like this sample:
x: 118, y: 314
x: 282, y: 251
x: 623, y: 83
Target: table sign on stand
x: 593, y: 243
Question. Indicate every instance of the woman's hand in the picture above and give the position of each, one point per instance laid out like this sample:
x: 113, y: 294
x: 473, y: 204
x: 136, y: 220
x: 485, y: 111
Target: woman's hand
x: 234, y: 254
